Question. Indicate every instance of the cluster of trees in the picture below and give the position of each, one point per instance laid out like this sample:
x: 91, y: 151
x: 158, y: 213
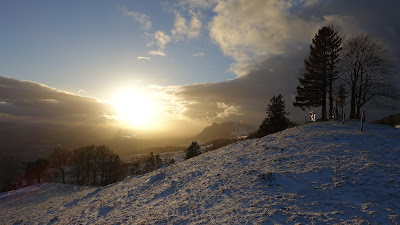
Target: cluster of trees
x: 88, y: 165
x: 148, y: 164
x: 358, y: 67
x: 92, y: 165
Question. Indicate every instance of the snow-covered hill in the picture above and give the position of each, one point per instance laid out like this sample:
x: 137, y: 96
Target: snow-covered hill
x: 318, y: 173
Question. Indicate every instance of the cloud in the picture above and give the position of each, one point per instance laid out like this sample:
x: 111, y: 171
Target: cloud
x: 227, y: 110
x: 156, y: 53
x: 183, y: 30
x: 269, y: 41
x: 199, y: 54
x: 34, y: 102
x: 161, y: 39
x: 245, y: 30
x: 142, y: 18
x: 310, y: 2
x: 245, y: 98
x: 143, y: 58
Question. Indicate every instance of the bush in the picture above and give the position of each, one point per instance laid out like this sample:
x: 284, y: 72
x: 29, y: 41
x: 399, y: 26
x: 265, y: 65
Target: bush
x: 193, y: 150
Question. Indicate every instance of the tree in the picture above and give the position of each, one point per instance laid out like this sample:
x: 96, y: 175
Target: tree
x: 341, y: 96
x: 9, y: 171
x: 36, y: 169
x: 367, y: 72
x: 320, y: 71
x: 193, y: 150
x: 82, y: 165
x: 96, y: 165
x: 59, y: 161
x: 276, y: 119
x: 150, y: 163
x: 158, y: 161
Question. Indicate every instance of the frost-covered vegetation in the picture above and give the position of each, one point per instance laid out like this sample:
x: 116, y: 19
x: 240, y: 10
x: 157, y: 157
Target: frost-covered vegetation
x: 317, y: 173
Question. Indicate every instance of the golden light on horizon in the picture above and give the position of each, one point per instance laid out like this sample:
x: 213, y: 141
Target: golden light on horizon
x: 135, y: 108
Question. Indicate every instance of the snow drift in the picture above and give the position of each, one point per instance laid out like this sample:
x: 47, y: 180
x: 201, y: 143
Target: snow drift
x: 317, y: 173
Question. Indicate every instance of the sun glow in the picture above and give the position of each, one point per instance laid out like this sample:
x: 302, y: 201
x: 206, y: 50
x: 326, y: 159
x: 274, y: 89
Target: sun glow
x: 135, y: 108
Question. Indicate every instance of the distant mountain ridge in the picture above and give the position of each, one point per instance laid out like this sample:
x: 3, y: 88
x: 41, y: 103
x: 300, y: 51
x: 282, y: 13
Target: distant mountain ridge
x: 224, y: 130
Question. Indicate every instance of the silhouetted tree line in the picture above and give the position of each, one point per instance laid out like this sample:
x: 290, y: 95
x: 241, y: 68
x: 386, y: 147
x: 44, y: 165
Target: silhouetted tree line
x: 337, y: 68
x: 149, y: 163
x: 88, y: 165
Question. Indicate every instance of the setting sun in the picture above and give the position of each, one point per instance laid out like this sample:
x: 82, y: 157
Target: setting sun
x: 134, y: 107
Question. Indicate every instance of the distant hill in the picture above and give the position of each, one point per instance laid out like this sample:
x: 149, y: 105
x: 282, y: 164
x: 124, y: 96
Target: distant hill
x: 319, y: 173
x: 226, y: 130
x: 391, y: 120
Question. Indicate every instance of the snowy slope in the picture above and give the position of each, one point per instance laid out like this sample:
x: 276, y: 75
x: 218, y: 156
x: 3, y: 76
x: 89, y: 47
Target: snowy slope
x: 318, y: 173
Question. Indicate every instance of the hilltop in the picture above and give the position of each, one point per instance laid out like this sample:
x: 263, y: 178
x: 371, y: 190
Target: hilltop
x: 316, y: 173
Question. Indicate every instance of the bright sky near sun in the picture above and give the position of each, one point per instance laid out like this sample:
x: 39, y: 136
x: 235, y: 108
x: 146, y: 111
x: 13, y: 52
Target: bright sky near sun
x: 74, y: 45
x: 171, y: 62
x: 110, y: 50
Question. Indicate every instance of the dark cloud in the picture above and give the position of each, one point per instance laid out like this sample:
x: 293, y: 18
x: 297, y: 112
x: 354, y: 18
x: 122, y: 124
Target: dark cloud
x: 251, y: 93
x: 34, y: 102
x: 266, y: 75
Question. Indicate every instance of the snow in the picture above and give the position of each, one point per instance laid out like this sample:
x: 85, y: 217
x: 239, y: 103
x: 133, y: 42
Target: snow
x: 317, y: 173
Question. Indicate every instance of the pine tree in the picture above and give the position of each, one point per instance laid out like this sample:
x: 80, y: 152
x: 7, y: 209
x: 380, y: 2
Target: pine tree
x: 276, y: 119
x: 193, y: 150
x: 320, y: 71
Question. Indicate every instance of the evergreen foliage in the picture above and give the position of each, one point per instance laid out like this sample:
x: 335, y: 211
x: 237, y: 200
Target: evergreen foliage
x: 276, y: 119
x: 193, y: 150
x: 320, y: 71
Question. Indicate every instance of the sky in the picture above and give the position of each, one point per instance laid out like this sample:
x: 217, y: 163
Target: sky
x: 186, y: 63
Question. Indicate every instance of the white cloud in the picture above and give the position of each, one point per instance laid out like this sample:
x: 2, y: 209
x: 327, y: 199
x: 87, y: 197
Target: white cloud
x: 227, y: 110
x: 143, y: 57
x: 161, y: 39
x: 157, y: 53
x: 183, y: 30
x: 246, y: 30
x: 199, y: 54
x: 142, y: 18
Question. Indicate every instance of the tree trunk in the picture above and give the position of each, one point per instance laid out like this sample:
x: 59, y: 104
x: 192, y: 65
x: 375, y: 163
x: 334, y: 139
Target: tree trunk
x: 63, y: 176
x: 353, y: 102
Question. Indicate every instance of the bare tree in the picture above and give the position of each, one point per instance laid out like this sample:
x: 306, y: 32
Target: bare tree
x: 341, y: 96
x: 367, y: 70
x: 59, y: 161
